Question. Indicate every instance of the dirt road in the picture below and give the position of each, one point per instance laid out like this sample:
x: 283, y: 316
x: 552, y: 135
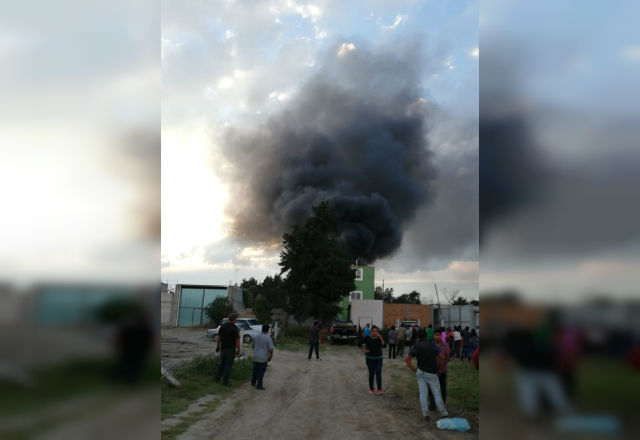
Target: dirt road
x: 324, y: 399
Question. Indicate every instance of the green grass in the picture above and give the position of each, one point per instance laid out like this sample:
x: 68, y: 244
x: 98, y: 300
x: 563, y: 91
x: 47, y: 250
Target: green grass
x: 462, y: 386
x: 462, y: 389
x: 606, y: 384
x: 291, y: 342
x: 196, y: 378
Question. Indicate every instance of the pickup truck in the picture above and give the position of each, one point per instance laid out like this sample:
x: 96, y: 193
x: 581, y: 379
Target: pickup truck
x: 342, y: 331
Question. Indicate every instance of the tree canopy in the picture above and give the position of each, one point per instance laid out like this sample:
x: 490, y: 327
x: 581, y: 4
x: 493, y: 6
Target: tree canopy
x: 316, y: 267
x: 460, y: 301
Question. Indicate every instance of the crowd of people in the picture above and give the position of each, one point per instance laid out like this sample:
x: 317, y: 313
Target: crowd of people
x: 432, y: 348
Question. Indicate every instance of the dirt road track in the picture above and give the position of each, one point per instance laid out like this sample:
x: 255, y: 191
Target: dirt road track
x: 326, y: 399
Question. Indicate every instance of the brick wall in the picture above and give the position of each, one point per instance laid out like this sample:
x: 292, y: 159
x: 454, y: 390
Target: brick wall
x: 392, y: 312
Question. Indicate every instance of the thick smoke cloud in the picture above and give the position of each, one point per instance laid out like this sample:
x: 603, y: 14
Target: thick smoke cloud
x: 355, y: 135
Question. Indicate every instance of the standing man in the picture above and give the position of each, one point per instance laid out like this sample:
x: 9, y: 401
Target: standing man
x: 229, y: 347
x: 393, y: 339
x: 402, y: 337
x: 262, y: 354
x: 367, y: 330
x: 457, y: 341
x: 426, y: 373
x: 314, y: 340
x: 413, y: 335
x: 430, y: 333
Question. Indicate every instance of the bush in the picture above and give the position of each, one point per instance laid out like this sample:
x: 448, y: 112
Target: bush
x: 218, y: 309
x: 296, y: 331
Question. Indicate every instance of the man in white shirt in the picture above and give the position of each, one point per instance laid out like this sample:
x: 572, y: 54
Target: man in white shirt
x: 457, y: 341
x: 262, y: 354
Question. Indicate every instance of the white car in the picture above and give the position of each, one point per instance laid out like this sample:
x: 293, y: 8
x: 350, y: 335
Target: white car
x: 249, y: 333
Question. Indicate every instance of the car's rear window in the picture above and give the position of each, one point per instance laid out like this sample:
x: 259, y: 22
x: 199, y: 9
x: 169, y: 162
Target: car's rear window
x: 253, y: 322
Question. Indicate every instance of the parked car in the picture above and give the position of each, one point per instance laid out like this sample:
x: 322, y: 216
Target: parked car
x: 251, y: 322
x: 342, y: 331
x: 249, y: 333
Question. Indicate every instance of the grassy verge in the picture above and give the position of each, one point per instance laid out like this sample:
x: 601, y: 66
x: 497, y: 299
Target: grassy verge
x: 291, y: 342
x: 462, y: 389
x: 196, y: 377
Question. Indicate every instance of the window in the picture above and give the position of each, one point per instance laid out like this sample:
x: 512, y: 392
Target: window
x: 355, y: 295
x: 358, y: 274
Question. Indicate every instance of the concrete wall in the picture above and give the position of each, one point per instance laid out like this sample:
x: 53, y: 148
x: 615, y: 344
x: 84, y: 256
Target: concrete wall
x: 367, y: 308
x: 234, y: 295
x: 395, y: 312
x: 450, y: 316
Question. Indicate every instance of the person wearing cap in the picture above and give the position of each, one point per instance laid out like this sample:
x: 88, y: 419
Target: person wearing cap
x: 229, y: 347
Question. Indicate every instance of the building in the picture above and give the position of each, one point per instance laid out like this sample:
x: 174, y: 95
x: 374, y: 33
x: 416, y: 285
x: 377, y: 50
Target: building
x: 394, y: 313
x: 366, y: 311
x: 168, y: 306
x: 191, y: 301
x: 364, y: 281
x: 450, y: 316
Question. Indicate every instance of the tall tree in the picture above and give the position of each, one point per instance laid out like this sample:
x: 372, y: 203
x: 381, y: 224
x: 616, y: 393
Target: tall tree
x: 272, y: 288
x: 316, y: 267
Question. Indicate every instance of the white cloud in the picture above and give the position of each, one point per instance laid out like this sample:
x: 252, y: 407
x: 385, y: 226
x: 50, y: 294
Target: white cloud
x: 280, y: 96
x: 225, y: 82
x: 475, y: 52
x: 346, y: 48
x: 399, y: 19
x: 168, y: 47
x: 631, y: 53
x: 449, y: 62
x: 229, y: 34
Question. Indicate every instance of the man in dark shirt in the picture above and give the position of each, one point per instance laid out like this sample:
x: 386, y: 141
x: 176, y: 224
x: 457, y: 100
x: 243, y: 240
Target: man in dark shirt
x: 314, y: 340
x: 426, y: 373
x: 229, y: 347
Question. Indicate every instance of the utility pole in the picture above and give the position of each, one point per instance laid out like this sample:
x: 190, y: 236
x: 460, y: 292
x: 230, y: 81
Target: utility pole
x: 438, y: 298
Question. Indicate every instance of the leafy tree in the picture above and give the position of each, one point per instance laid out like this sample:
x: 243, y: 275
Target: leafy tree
x: 460, y: 301
x: 475, y: 302
x: 386, y: 296
x: 316, y: 267
x: 250, y: 290
x: 272, y: 288
x: 408, y: 298
x: 251, y: 282
x: 262, y: 309
x: 218, y: 309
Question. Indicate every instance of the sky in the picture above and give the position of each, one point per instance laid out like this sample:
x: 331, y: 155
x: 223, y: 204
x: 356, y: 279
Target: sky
x: 559, y: 125
x: 79, y: 140
x: 261, y: 99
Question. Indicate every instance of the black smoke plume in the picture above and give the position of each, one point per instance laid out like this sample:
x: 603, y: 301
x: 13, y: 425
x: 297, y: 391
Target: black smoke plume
x: 355, y: 135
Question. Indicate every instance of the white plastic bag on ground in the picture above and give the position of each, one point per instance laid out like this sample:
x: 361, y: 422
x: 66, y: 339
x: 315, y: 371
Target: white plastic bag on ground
x: 454, y: 424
